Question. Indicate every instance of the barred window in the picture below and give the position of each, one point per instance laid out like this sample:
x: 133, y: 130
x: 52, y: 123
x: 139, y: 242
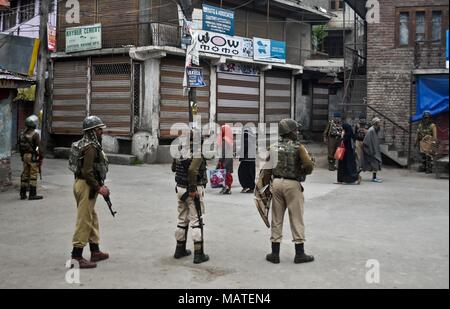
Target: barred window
x: 112, y: 69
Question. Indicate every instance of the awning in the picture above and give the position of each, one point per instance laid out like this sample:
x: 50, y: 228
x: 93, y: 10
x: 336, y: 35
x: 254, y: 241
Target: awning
x: 432, y: 95
x: 359, y: 6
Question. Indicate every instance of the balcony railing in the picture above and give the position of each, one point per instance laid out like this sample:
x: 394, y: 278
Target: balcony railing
x: 429, y: 55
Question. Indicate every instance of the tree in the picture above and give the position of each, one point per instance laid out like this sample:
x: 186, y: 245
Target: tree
x: 319, y: 33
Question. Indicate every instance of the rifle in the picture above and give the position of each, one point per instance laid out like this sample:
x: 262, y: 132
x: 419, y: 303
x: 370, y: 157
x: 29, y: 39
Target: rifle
x: 108, y: 201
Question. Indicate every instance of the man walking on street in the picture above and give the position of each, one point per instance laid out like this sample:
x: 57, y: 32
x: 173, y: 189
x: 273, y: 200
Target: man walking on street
x: 372, y: 152
x: 90, y: 165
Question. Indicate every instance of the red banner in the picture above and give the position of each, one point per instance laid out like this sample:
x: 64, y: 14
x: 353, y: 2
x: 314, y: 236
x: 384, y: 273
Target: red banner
x: 51, y: 37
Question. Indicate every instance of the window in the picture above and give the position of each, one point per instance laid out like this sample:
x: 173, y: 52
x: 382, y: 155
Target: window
x: 436, y: 26
x: 404, y: 28
x: 421, y: 24
x: 334, y: 44
x: 336, y: 5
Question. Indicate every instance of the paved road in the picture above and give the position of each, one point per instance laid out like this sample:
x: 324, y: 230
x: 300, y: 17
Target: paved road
x: 402, y: 223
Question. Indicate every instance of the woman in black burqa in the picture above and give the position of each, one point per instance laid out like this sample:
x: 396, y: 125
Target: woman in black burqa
x: 347, y: 171
x: 247, y: 167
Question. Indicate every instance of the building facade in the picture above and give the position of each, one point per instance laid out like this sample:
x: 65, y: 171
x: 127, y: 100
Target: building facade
x: 407, y: 45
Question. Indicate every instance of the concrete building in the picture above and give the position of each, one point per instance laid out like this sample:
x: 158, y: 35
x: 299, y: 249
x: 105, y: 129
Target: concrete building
x: 404, y: 48
x: 8, y: 88
x: 134, y: 82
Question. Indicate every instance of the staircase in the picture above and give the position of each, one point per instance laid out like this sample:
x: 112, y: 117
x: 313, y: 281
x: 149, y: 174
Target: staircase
x: 395, y: 140
x: 390, y: 151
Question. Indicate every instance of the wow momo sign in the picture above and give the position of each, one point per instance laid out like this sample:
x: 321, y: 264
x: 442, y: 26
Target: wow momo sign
x: 222, y: 44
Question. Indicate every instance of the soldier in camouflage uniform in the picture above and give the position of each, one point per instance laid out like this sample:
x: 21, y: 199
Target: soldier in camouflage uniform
x: 288, y: 165
x: 32, y: 156
x: 361, y: 129
x: 332, y: 137
x: 426, y: 128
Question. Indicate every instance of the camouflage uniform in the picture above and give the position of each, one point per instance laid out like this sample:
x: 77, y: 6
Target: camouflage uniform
x: 31, y: 153
x: 332, y: 136
x: 426, y: 128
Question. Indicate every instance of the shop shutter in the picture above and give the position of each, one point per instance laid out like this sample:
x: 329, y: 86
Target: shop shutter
x: 69, y: 96
x: 277, y: 96
x: 174, y: 104
x: 320, y: 107
x: 111, y: 94
x: 237, y: 98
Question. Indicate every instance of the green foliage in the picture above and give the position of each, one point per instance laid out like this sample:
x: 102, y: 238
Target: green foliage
x: 319, y: 33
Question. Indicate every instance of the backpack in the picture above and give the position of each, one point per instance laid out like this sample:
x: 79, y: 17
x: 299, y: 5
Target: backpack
x: 76, y: 156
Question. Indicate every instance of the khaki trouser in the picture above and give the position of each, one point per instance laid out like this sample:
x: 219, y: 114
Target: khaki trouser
x: 287, y: 194
x: 333, y: 144
x: 30, y: 171
x: 86, y: 229
x: 188, y: 216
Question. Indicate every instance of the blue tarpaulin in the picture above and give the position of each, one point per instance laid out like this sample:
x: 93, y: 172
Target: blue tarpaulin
x: 432, y: 95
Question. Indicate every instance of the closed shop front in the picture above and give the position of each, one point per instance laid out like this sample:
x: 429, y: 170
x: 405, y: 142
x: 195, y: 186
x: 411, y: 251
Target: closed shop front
x: 174, y: 106
x: 320, y: 107
x: 238, y: 95
x: 111, y: 93
x: 69, y: 96
x: 278, y: 96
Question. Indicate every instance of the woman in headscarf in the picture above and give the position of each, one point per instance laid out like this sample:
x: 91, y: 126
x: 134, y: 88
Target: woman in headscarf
x: 247, y: 167
x: 226, y: 159
x: 347, y: 172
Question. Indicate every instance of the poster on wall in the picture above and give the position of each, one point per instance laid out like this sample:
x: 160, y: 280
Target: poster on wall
x: 218, y: 20
x: 269, y: 50
x: 195, y: 77
x: 51, y: 38
x: 239, y: 68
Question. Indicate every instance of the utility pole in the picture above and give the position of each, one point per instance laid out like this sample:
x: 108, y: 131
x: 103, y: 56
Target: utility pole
x: 42, y: 59
x: 187, y: 8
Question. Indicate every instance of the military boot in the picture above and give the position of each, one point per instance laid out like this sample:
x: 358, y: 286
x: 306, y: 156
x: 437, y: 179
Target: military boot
x: 429, y: 166
x: 274, y: 257
x: 96, y: 254
x: 33, y: 195
x: 180, y: 250
x: 300, y: 256
x: 77, y: 255
x: 23, y: 193
x: 199, y: 255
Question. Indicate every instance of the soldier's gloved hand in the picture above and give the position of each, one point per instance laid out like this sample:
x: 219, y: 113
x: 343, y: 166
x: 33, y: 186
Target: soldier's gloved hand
x: 104, y: 191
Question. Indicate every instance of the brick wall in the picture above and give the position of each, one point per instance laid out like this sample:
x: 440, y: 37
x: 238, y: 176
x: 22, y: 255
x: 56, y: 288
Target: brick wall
x: 389, y: 68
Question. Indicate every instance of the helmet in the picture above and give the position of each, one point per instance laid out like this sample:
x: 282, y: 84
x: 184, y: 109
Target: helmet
x: 426, y: 114
x: 92, y: 122
x: 287, y: 126
x: 32, y: 122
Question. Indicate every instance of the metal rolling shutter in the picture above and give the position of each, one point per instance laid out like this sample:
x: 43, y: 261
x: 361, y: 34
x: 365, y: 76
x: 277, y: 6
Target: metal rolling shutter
x: 237, y: 98
x: 111, y: 97
x: 174, y: 105
x: 69, y: 97
x: 277, y: 96
x: 320, y: 107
